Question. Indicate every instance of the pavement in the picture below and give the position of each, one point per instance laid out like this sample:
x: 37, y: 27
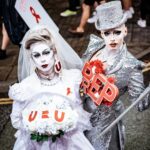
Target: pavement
x: 138, y: 42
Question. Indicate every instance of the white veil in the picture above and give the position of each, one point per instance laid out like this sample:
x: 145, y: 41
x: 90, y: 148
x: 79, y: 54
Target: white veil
x: 67, y: 56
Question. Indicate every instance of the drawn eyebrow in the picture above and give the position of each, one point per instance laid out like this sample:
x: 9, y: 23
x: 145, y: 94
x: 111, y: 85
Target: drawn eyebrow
x: 43, y: 50
x: 46, y: 49
x: 117, y: 30
x: 35, y: 52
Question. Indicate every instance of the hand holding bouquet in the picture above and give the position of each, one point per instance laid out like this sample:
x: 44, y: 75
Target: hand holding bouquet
x: 50, y: 115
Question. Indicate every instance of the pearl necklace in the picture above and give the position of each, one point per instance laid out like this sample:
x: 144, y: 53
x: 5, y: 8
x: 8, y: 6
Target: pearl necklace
x: 51, y: 82
x: 46, y: 81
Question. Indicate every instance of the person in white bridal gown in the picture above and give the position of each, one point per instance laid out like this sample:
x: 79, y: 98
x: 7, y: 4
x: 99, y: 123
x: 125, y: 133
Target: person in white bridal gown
x: 50, y: 77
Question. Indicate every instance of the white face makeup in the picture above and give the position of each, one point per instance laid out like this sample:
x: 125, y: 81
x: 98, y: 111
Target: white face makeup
x: 114, y: 38
x: 43, y: 57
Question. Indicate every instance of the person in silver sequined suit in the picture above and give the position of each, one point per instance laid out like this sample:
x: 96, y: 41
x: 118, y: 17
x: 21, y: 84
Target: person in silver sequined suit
x: 120, y: 63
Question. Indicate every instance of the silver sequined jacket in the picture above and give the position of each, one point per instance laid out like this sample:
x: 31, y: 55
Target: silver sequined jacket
x: 127, y: 71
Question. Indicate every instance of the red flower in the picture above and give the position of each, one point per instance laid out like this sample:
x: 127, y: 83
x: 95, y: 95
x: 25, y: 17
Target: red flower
x: 90, y: 74
x: 111, y: 79
x: 99, y: 67
x: 106, y: 103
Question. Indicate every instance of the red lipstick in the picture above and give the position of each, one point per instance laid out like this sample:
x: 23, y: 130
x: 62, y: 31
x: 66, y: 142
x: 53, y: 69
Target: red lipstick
x: 113, y: 44
x: 44, y: 66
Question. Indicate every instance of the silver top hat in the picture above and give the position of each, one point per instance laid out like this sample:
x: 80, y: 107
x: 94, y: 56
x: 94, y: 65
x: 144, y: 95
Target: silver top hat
x: 110, y: 15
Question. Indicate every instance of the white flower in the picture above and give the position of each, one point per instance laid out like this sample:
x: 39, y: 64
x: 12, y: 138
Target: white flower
x: 41, y: 116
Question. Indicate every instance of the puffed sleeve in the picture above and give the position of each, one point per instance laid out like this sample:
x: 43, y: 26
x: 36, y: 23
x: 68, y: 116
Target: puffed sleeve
x: 16, y: 115
x: 16, y: 92
x: 19, y: 93
x: 25, y: 89
x: 136, y: 87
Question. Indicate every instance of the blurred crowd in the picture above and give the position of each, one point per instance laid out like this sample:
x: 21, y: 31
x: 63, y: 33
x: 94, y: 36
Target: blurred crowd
x: 88, y: 5
x: 14, y: 28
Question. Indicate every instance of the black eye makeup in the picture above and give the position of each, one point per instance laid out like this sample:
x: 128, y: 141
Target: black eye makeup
x: 36, y: 55
x: 107, y: 33
x: 117, y: 32
x: 46, y: 52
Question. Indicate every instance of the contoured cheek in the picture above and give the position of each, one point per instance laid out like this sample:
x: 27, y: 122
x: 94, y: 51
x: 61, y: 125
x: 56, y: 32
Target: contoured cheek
x: 114, y: 38
x: 43, y: 57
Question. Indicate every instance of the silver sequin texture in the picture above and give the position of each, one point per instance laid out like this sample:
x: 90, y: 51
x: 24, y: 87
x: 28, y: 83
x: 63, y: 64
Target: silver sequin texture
x: 129, y: 78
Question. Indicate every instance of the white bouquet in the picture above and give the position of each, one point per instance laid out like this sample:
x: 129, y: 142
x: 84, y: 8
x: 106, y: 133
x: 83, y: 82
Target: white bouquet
x: 49, y: 114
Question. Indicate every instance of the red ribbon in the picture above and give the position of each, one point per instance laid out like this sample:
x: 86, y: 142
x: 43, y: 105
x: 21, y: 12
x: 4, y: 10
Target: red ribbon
x: 68, y: 91
x: 37, y: 17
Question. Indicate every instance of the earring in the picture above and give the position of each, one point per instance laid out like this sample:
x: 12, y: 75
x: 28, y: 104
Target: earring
x: 57, y: 67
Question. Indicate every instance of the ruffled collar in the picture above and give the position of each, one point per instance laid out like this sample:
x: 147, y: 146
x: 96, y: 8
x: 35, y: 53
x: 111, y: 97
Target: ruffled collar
x: 118, y: 60
x: 114, y: 60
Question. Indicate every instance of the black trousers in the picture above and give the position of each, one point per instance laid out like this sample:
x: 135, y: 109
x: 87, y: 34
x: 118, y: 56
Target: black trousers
x: 73, y: 4
x: 14, y: 24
